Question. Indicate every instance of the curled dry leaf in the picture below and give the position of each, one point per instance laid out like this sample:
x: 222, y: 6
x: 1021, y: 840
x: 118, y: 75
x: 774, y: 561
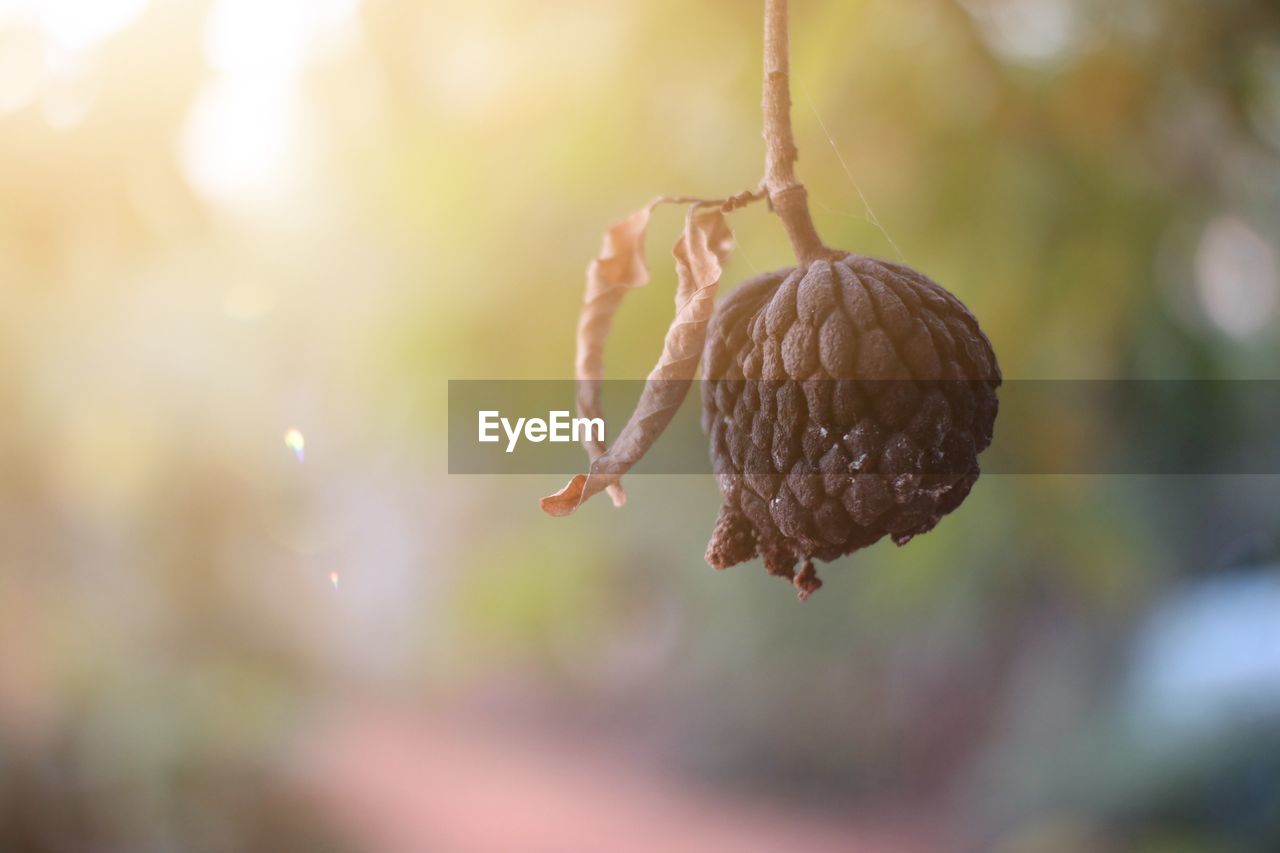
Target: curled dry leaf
x: 699, y: 253
x: 619, y: 267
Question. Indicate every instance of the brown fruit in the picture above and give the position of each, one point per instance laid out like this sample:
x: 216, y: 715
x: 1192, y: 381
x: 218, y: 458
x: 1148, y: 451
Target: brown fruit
x: 845, y: 401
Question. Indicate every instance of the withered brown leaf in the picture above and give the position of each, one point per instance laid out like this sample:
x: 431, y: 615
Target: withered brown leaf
x: 619, y: 267
x: 699, y: 254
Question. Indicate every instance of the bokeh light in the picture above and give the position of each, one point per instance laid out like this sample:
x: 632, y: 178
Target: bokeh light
x: 1239, y: 280
x: 73, y: 25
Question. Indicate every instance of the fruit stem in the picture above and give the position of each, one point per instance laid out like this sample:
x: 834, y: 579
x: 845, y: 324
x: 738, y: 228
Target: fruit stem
x: 787, y: 196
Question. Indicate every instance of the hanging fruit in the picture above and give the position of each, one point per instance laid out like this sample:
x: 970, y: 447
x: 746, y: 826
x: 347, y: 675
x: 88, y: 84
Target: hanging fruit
x: 846, y: 398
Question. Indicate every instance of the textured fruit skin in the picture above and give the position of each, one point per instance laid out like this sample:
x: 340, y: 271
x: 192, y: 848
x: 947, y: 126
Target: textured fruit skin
x: 845, y: 401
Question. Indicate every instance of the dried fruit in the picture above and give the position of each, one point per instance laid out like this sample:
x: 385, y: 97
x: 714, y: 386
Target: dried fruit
x: 846, y: 401
x: 847, y: 398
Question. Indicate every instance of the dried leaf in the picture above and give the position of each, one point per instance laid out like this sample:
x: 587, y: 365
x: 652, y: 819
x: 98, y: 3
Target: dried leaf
x: 619, y: 267
x: 565, y: 501
x: 699, y: 254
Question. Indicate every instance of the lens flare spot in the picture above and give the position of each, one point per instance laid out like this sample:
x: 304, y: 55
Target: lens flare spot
x: 295, y: 441
x: 334, y: 580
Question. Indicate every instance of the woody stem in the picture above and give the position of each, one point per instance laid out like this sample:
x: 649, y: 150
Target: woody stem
x: 787, y: 196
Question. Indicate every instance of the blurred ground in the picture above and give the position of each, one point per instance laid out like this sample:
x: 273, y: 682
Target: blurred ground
x: 407, y: 783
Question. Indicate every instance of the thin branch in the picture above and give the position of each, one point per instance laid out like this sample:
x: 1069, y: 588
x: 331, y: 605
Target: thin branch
x: 787, y: 196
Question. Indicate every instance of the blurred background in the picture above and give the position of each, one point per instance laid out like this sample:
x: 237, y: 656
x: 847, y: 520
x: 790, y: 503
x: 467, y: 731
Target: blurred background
x: 244, y: 244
